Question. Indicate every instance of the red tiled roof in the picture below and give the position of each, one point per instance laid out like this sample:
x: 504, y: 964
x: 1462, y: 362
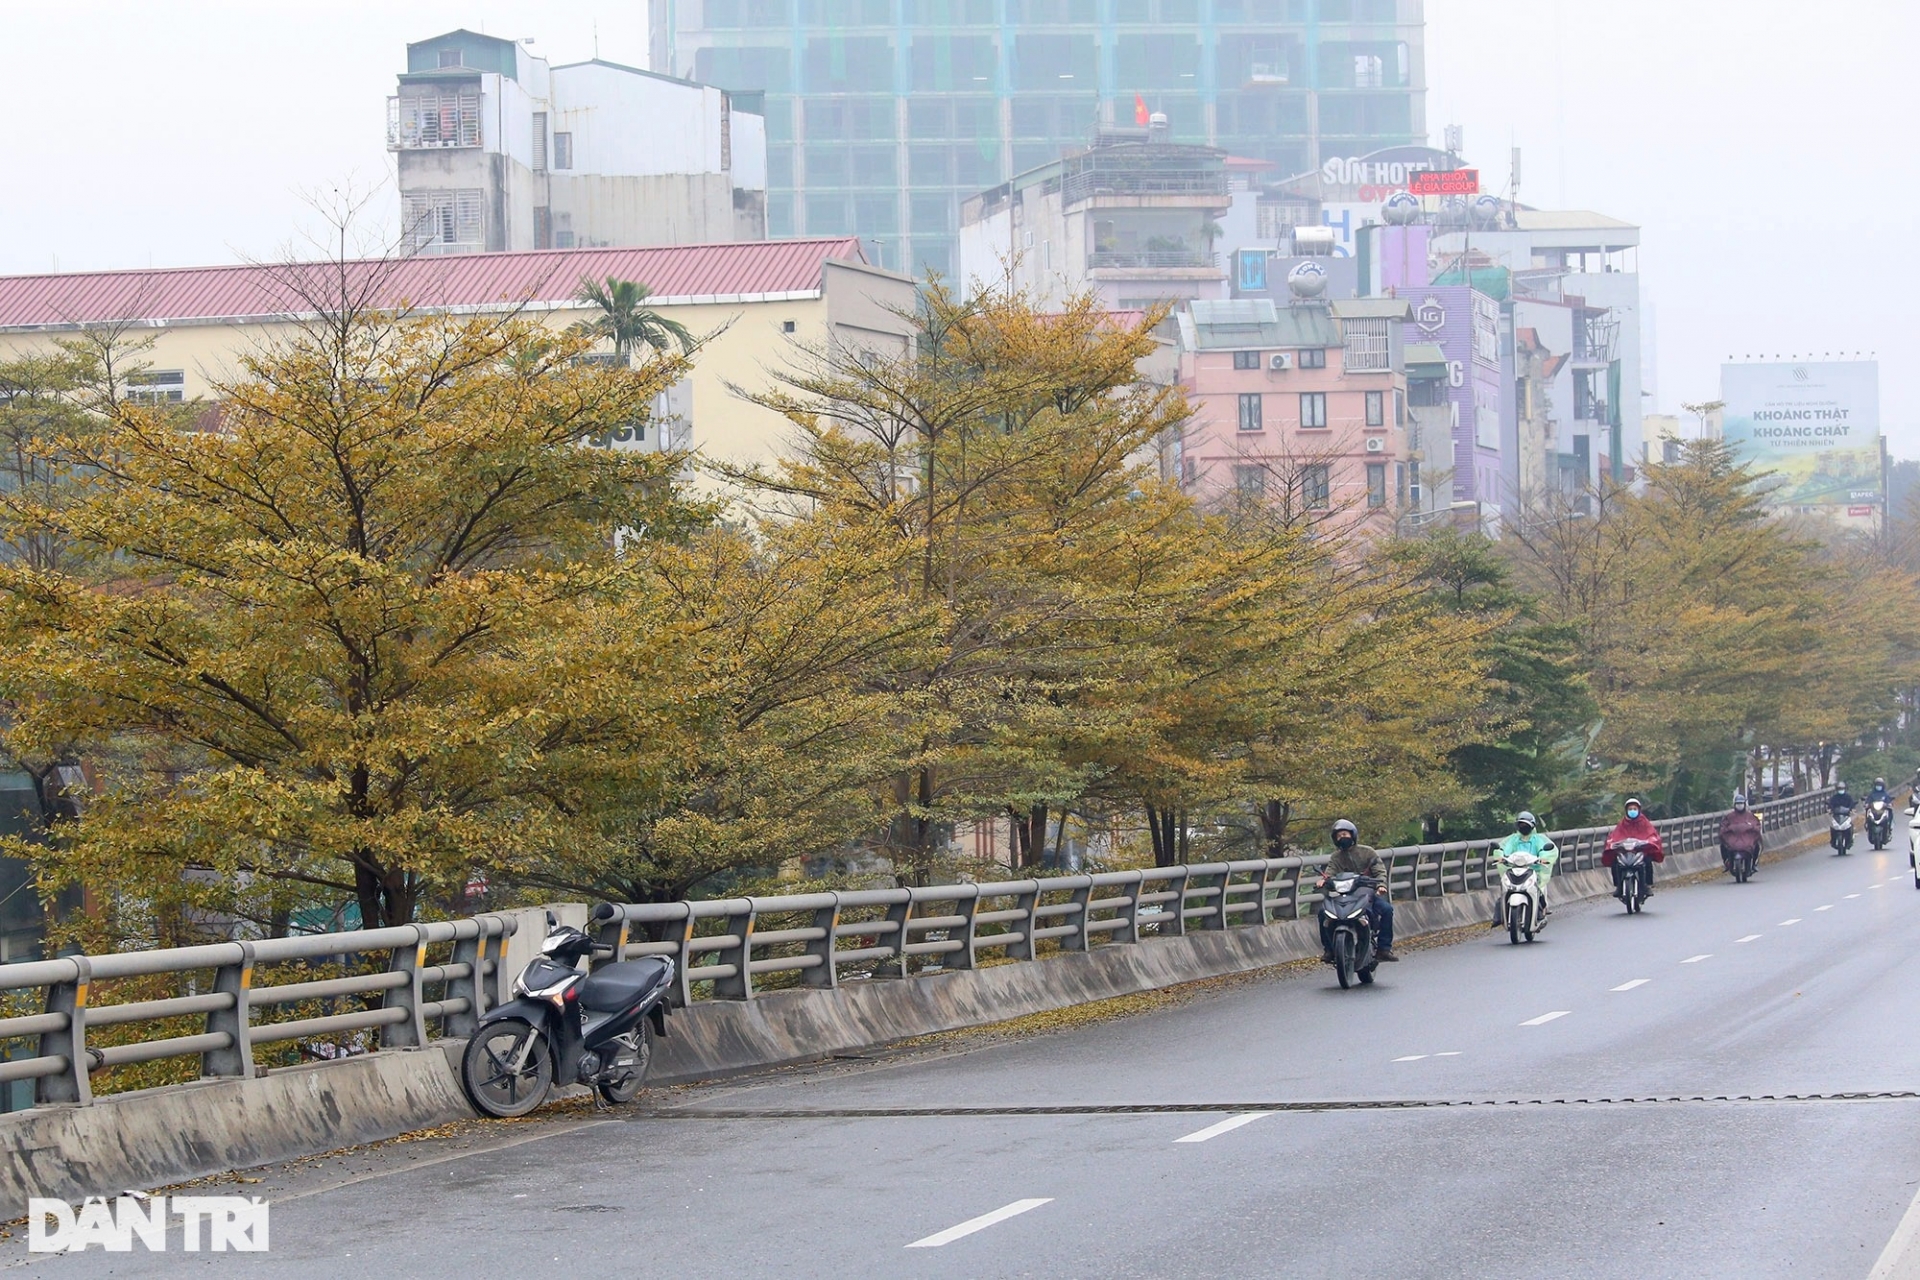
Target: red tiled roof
x: 182, y: 294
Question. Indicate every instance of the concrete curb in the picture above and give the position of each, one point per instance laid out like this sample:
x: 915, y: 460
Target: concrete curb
x: 154, y: 1137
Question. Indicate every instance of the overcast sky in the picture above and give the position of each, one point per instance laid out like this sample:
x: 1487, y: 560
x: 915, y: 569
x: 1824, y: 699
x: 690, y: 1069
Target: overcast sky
x: 1766, y: 146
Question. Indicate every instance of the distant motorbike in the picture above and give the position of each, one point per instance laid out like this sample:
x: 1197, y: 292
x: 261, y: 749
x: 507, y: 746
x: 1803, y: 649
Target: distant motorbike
x: 1879, y: 823
x: 568, y: 1027
x: 1840, y: 833
x: 1630, y: 862
x: 1741, y: 863
x: 1526, y: 903
x: 1346, y: 930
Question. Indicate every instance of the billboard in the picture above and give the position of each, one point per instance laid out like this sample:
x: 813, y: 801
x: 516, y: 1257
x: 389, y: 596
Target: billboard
x: 1814, y: 427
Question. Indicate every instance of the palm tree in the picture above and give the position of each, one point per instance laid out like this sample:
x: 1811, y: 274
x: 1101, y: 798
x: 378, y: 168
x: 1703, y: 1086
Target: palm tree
x: 625, y: 319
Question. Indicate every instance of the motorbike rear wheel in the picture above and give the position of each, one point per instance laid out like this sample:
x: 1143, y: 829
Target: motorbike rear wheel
x: 626, y: 1089
x: 1343, y: 958
x: 490, y: 1078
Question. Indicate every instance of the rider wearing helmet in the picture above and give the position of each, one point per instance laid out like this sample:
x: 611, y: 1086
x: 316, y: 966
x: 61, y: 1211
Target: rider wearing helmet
x: 1350, y: 857
x: 1739, y: 833
x: 1525, y: 839
x: 1880, y: 792
x: 1635, y: 826
x: 1841, y: 802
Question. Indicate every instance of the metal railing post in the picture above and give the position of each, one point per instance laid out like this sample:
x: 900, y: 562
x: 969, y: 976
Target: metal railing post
x: 740, y: 956
x: 409, y: 1032
x: 966, y: 906
x: 1081, y: 894
x: 898, y: 914
x: 1025, y: 902
x: 69, y: 998
x: 1218, y: 920
x: 825, y: 975
x: 1130, y: 911
x: 1173, y: 915
x: 615, y: 933
x: 471, y: 952
x: 235, y: 980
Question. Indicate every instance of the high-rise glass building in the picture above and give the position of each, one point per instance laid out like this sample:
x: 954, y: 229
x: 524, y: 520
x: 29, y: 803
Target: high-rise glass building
x: 882, y: 115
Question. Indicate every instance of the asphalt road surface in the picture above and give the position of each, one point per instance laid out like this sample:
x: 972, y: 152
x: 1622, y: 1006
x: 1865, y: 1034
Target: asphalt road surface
x: 1672, y: 1094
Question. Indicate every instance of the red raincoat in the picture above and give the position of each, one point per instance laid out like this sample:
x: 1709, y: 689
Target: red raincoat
x: 1641, y: 829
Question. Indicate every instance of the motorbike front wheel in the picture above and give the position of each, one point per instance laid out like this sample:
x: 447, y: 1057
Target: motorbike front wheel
x: 625, y: 1089
x: 1513, y: 925
x: 507, y: 1069
x: 1343, y: 958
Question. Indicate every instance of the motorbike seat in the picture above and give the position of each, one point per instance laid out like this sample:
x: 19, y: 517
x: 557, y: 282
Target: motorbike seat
x: 620, y: 986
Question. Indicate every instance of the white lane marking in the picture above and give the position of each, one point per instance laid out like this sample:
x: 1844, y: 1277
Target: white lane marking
x: 1412, y: 1057
x: 1749, y: 938
x: 1828, y: 907
x: 1785, y: 923
x: 1637, y: 982
x: 1225, y: 1126
x: 1546, y: 1017
x: 1697, y: 959
x: 1853, y: 895
x: 1876, y: 886
x: 980, y: 1223
x: 1901, y: 1257
x: 1451, y: 1053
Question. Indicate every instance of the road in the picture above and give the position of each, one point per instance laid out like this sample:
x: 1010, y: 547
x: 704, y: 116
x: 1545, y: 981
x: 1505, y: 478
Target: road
x: 1225, y: 1151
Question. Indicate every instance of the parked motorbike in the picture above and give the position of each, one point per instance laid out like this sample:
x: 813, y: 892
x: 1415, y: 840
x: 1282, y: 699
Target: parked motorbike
x: 1840, y: 833
x: 568, y: 1026
x: 1630, y: 860
x: 1526, y: 912
x: 1879, y: 823
x: 1346, y: 930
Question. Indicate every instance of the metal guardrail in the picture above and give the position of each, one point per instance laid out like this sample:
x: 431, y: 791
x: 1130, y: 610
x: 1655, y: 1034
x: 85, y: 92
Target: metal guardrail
x: 719, y: 947
x: 469, y: 985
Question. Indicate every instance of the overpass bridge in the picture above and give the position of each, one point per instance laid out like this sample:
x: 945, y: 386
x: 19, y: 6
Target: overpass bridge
x: 1725, y: 1085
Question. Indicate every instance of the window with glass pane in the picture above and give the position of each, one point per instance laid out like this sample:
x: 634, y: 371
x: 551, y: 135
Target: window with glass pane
x: 1316, y: 486
x: 1250, y: 481
x: 1250, y: 412
x: 1376, y: 408
x: 1246, y: 359
x: 1376, y: 484
x: 1313, y: 358
x: 1313, y: 408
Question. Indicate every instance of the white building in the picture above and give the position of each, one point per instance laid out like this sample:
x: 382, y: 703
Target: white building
x: 498, y: 151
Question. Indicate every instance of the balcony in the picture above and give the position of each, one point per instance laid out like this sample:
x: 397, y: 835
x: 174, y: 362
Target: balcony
x: 1103, y: 259
x: 1093, y: 177
x: 430, y: 121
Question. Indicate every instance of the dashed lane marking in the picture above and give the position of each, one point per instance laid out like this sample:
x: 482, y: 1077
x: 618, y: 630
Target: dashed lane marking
x: 1637, y: 982
x: 1451, y: 1053
x: 1749, y: 938
x: 1225, y: 1126
x: 1697, y: 959
x: 1795, y: 920
x: 1828, y: 907
x: 1546, y: 1017
x: 980, y: 1223
x: 1412, y: 1057
x: 1853, y: 895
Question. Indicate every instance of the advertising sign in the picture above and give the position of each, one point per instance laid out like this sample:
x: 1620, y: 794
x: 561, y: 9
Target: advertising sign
x: 1445, y: 182
x: 1813, y: 427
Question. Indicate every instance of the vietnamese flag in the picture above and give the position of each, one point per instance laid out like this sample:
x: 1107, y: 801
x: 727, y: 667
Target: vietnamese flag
x: 1139, y: 109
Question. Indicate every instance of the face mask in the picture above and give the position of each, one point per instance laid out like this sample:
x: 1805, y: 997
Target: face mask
x: 1633, y: 813
x: 1345, y: 842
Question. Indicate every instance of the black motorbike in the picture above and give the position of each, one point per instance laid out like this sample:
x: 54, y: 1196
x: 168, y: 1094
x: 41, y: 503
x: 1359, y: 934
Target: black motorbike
x: 1879, y: 823
x: 1346, y: 928
x: 564, y: 1025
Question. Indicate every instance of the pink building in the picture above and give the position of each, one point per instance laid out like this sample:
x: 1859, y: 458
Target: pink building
x: 1302, y: 406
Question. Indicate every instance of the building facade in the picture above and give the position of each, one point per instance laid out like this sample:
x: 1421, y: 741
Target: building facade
x: 497, y: 151
x: 750, y: 302
x: 1131, y: 219
x: 1301, y: 407
x: 883, y: 115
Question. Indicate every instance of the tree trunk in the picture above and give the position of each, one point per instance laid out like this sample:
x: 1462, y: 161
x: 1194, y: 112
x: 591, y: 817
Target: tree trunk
x: 1274, y: 816
x: 1029, y: 836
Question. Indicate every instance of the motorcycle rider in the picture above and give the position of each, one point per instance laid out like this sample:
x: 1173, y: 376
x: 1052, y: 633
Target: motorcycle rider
x: 1350, y: 857
x: 1880, y: 792
x: 1635, y: 826
x: 1841, y: 802
x: 1739, y: 833
x: 1525, y: 840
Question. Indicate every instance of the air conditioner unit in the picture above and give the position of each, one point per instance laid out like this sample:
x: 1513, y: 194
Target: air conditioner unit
x: 1280, y: 361
x: 1376, y: 445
